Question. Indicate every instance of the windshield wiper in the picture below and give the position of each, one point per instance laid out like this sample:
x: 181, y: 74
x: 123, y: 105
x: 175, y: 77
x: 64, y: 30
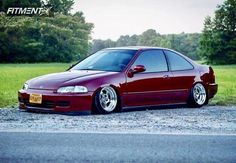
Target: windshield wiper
x: 87, y: 69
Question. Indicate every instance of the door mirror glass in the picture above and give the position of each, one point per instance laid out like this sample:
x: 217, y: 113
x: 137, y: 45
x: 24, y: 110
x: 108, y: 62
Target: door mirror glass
x: 139, y: 68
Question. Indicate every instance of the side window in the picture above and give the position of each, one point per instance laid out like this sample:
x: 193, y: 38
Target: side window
x: 153, y: 60
x: 177, y: 62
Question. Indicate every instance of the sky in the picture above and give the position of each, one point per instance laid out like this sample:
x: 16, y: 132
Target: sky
x: 113, y: 18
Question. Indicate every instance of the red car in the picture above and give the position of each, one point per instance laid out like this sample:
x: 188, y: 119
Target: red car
x: 114, y: 79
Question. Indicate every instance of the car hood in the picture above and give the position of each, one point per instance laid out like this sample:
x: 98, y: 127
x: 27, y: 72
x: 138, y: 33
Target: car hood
x: 56, y: 80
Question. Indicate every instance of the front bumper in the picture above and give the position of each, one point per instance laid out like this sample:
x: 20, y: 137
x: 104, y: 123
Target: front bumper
x: 55, y: 102
x: 212, y: 90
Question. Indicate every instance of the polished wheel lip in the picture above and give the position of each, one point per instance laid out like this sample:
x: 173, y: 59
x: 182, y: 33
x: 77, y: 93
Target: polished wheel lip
x: 108, y: 99
x: 199, y: 94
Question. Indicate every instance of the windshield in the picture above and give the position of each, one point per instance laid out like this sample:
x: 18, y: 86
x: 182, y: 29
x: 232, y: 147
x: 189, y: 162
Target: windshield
x: 106, y: 60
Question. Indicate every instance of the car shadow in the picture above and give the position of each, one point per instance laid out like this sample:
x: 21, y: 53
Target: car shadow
x: 130, y: 109
x: 160, y: 107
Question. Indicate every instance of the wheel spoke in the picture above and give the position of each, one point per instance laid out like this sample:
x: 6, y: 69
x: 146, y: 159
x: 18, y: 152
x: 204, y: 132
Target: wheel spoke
x: 108, y: 99
x: 199, y: 94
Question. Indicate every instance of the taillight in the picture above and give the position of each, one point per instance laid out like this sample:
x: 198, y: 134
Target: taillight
x: 211, y: 75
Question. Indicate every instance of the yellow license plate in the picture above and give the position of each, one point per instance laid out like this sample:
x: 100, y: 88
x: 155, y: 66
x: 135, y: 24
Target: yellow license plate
x: 35, y: 98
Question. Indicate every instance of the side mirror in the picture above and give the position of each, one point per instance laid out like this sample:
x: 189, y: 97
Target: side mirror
x: 136, y: 69
x: 139, y: 68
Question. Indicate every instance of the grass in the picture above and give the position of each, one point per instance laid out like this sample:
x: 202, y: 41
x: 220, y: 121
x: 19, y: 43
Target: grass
x: 13, y: 76
x: 226, y: 80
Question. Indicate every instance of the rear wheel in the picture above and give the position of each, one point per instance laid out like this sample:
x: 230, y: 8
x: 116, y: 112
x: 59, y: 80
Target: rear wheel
x: 198, y: 96
x: 106, y: 100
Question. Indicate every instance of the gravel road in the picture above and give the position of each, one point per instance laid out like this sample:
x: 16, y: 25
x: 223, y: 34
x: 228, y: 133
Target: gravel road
x: 205, y: 120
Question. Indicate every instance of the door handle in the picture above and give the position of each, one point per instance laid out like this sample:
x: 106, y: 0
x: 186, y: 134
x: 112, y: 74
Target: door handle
x: 166, y: 76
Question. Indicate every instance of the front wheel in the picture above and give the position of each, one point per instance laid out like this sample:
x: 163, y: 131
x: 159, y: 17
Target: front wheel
x: 198, y: 96
x: 106, y: 100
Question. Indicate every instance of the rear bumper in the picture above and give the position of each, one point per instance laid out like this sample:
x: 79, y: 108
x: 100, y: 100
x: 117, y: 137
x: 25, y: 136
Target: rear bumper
x: 53, y: 102
x: 212, y: 90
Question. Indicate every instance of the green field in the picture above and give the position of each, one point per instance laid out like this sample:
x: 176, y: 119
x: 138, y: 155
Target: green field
x: 226, y: 80
x: 13, y: 76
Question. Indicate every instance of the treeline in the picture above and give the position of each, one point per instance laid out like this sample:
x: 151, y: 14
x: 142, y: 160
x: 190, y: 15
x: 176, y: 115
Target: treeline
x: 65, y: 37
x: 215, y: 45
x: 186, y: 43
x: 218, y: 42
x: 61, y: 38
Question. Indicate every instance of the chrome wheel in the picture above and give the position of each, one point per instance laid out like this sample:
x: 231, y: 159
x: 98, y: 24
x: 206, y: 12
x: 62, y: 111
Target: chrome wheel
x: 108, y: 99
x: 199, y: 94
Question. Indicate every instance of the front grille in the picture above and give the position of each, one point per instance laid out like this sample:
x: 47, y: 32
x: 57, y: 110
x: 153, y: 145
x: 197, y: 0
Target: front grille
x: 45, y: 104
x: 63, y: 103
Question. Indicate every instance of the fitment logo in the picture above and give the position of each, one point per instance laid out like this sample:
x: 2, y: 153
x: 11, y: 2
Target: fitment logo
x: 30, y: 11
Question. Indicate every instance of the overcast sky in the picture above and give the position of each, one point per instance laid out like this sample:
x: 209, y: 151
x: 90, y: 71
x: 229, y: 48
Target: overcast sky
x: 113, y: 18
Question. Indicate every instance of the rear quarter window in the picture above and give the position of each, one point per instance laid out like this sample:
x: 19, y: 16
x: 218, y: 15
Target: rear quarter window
x: 177, y: 62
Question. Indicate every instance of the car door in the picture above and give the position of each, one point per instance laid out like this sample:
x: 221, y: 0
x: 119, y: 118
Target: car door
x: 183, y: 76
x: 150, y: 87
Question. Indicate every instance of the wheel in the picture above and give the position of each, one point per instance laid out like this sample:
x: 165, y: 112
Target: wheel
x: 198, y: 96
x: 106, y: 100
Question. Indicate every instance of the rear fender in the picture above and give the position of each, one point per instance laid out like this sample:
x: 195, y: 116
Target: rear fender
x: 207, y: 74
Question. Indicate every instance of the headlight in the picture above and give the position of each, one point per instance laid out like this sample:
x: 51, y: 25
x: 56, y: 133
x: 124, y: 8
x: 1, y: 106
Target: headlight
x: 25, y: 86
x: 72, y: 89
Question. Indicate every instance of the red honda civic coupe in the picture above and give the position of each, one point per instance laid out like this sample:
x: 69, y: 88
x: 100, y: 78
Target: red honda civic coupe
x: 114, y: 79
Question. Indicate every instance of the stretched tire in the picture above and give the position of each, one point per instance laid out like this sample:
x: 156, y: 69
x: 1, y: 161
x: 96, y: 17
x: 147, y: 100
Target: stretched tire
x: 198, y: 96
x: 106, y: 100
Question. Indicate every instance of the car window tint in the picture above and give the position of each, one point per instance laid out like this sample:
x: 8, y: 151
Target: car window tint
x: 153, y: 60
x: 177, y: 62
x: 107, y: 60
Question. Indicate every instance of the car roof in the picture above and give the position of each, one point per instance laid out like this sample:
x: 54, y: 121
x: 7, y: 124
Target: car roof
x: 148, y: 48
x: 136, y: 48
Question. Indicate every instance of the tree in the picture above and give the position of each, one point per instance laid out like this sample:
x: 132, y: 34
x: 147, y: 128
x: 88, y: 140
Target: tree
x: 60, y: 6
x: 61, y: 38
x: 123, y: 41
x: 218, y: 41
x: 148, y: 38
x: 185, y: 43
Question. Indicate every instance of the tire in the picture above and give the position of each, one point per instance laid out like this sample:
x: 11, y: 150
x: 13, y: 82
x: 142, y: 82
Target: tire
x: 106, y: 100
x: 198, y: 96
